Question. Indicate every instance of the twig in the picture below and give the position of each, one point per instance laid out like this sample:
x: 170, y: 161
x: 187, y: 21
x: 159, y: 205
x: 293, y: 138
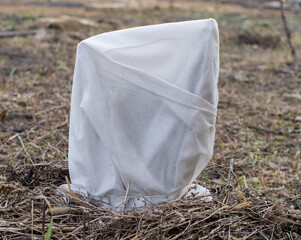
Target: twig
x: 25, y: 149
x: 230, y: 172
x: 68, y: 184
x: 126, y: 196
x: 229, y: 233
x: 260, y: 129
x: 226, y: 187
x: 288, y: 35
x: 84, y: 225
x: 88, y: 222
x: 43, y: 218
x: 17, y: 33
x: 32, y: 219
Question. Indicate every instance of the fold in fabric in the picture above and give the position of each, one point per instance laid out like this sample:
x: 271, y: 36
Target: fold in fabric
x: 143, y: 112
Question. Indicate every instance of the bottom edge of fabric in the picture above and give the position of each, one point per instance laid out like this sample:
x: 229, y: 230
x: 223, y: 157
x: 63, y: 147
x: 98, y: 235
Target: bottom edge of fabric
x: 125, y: 202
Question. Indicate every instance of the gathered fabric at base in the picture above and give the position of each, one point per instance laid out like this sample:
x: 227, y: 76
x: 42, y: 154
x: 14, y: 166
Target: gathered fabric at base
x: 143, y: 112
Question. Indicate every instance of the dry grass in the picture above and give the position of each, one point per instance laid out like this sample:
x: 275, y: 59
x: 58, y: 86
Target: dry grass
x: 258, y: 127
x: 233, y: 214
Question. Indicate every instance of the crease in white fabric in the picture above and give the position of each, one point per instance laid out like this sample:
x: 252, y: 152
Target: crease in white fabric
x: 195, y: 98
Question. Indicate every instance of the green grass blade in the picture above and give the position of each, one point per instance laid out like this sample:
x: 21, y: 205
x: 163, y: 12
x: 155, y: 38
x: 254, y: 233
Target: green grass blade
x: 48, y: 234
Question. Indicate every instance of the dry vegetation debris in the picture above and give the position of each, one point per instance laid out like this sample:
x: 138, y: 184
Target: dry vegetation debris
x: 258, y: 127
x: 234, y: 213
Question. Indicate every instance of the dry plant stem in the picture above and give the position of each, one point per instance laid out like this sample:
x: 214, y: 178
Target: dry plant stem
x: 126, y: 196
x: 29, y: 158
x: 84, y: 225
x: 230, y: 172
x: 32, y: 219
x: 43, y: 218
x: 288, y: 35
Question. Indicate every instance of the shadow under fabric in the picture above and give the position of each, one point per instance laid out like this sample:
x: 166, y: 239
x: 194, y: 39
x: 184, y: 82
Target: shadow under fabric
x: 143, y: 112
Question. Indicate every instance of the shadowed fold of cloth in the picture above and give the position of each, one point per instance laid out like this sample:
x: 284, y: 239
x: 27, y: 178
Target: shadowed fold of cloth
x: 143, y: 112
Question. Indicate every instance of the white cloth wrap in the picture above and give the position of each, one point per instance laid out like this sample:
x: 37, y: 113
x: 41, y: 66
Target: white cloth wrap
x: 143, y: 112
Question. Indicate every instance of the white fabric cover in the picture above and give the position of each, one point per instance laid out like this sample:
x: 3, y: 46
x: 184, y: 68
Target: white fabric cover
x: 143, y: 112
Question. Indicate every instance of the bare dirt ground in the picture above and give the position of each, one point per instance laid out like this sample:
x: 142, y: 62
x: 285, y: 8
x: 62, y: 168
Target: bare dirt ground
x: 258, y: 127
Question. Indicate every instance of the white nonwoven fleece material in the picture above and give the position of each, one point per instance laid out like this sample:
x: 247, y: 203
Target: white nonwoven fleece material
x: 143, y: 112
